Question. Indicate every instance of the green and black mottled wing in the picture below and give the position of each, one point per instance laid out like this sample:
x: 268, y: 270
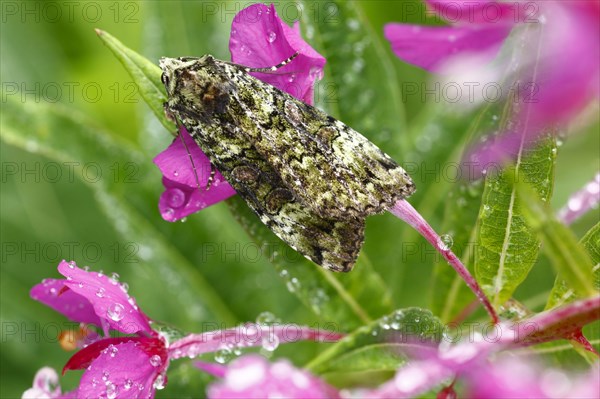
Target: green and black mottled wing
x: 331, y: 167
x: 329, y: 242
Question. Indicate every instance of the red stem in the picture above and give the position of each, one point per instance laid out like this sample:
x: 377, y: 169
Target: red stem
x: 405, y: 211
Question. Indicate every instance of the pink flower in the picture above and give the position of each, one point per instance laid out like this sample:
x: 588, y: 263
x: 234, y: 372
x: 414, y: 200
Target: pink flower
x: 551, y: 88
x: 252, y: 376
x: 46, y: 386
x: 473, y: 33
x: 504, y: 378
x: 134, y: 366
x: 258, y: 39
x: 131, y: 366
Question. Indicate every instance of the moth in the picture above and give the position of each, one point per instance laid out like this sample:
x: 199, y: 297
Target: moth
x: 310, y: 178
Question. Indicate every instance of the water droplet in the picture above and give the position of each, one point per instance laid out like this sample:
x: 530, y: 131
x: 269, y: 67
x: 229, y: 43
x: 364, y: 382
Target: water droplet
x: 266, y: 318
x: 100, y: 292
x: 385, y: 323
x: 284, y: 273
x: 100, y: 273
x: 159, y: 382
x: 72, y: 265
x: 168, y: 213
x: 223, y: 354
x: 574, y: 204
x: 272, y: 36
x: 155, y: 361
x: 292, y: 78
x: 128, y: 384
x: 80, y: 284
x: 245, y: 49
x: 105, y: 375
x: 114, y: 278
x: 353, y: 24
x: 124, y: 287
x: 112, y: 350
x: 396, y: 320
x: 270, y: 342
x: 293, y: 285
x: 115, y: 311
x: 86, y: 268
x: 234, y: 32
x: 446, y: 242
x: 176, y: 173
x: 175, y: 197
x: 53, y: 291
x: 183, y: 220
x: 111, y: 390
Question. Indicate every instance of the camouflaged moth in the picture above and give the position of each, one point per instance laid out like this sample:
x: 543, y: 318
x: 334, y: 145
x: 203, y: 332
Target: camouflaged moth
x: 310, y: 178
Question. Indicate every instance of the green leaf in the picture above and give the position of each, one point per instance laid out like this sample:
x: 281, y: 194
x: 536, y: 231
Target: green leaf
x: 145, y: 74
x: 569, y: 258
x: 360, y: 85
x: 507, y: 246
x: 561, y: 292
x: 382, y: 344
x: 61, y: 134
x: 350, y: 299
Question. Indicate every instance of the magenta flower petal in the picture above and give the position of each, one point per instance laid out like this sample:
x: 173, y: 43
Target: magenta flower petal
x: 185, y: 182
x: 565, y: 87
x: 252, y: 376
x: 479, y: 12
x: 53, y: 293
x: 125, y: 370
x: 108, y: 298
x: 259, y: 39
x: 432, y: 48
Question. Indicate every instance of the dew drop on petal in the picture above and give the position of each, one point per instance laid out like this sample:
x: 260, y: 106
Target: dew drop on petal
x: 100, y: 292
x: 175, y: 197
x: 292, y: 78
x: 114, y: 278
x: 53, y: 291
x: 124, y: 287
x: 270, y: 342
x: 113, y: 350
x: 111, y: 391
x: 574, y: 204
x: 115, y: 311
x: 159, y: 382
x: 80, y: 285
x: 128, y: 384
x: 155, y: 360
x: 446, y: 242
x: 105, y: 375
x: 272, y: 36
x: 168, y: 213
x: 72, y: 264
x: 223, y: 354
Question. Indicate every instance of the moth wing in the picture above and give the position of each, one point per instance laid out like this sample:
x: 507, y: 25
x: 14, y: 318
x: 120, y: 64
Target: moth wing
x: 329, y: 166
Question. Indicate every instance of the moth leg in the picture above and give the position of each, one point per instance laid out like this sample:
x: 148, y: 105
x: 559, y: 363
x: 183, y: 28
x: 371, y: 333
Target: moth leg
x: 196, y: 177
x: 211, y: 178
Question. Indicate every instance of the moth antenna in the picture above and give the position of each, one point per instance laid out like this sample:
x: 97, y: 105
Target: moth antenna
x: 192, y: 161
x: 274, y: 67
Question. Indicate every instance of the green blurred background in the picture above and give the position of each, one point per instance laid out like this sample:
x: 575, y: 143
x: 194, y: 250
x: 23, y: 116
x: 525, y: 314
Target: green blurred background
x: 205, y: 273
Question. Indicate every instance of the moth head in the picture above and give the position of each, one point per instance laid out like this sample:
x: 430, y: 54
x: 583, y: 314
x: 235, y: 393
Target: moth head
x: 173, y: 67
